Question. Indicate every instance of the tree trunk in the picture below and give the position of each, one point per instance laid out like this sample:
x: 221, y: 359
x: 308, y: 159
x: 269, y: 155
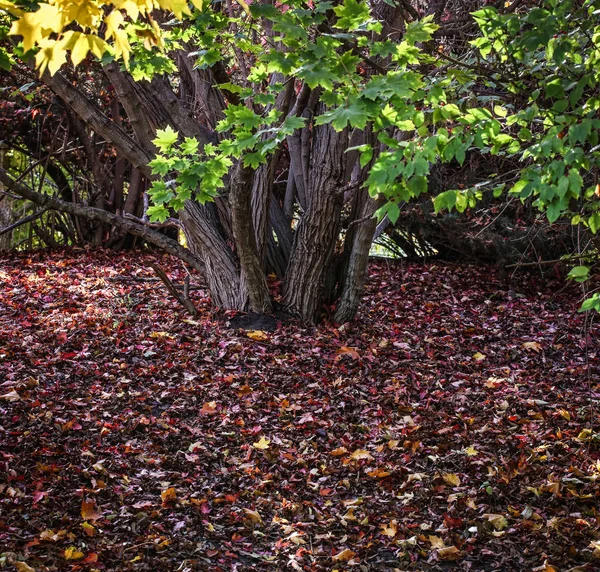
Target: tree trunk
x: 318, y: 230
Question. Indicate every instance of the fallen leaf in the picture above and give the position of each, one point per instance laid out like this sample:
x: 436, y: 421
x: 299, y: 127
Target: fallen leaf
x: 498, y: 521
x: 88, y: 529
x: 448, y: 553
x: 533, y: 346
x: 89, y: 512
x: 390, y: 529
x: 478, y: 356
x: 339, y: 452
x: 257, y: 335
x: 22, y: 567
x: 262, y: 443
x: 344, y: 555
x: 253, y: 516
x: 452, y: 479
x: 361, y: 454
x: 168, y: 496
x: 11, y: 396
x: 436, y: 542
x: 71, y: 553
x: 208, y: 408
x: 378, y: 473
x: 471, y: 451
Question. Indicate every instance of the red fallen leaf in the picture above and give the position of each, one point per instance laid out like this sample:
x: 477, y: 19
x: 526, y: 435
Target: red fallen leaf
x: 91, y: 558
x: 325, y: 492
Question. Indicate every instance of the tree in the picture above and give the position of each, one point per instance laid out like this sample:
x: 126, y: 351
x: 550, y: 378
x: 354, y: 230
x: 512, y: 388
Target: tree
x: 270, y: 130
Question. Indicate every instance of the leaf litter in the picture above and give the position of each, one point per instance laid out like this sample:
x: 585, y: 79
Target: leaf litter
x: 452, y: 426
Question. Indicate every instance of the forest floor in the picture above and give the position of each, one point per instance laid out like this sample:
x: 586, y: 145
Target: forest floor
x: 453, y: 426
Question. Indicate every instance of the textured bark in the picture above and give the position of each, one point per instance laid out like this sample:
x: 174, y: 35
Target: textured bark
x: 318, y: 229
x: 356, y: 271
x: 102, y: 216
x: 206, y: 242
x: 253, y: 272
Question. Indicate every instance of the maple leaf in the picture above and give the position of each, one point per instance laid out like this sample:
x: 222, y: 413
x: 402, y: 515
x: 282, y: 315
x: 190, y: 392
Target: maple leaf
x: 498, y: 521
x: 262, y: 443
x: 361, y: 454
x: 338, y: 452
x: 257, y: 335
x: 168, y: 496
x: 478, y: 356
x: 253, y: 516
x: 344, y: 555
x: 209, y: 408
x: 452, y: 479
x: 89, y: 512
x: 88, y: 529
x: 390, y: 529
x: 448, y: 553
x: 533, y: 346
x: 378, y: 473
x: 72, y: 553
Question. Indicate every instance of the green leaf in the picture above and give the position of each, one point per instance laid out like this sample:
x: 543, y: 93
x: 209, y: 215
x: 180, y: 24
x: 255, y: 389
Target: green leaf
x: 157, y: 213
x: 354, y: 113
x: 579, y: 273
x: 190, y: 146
x: 592, y: 303
x: 352, y: 15
x: 165, y: 138
x: 420, y: 31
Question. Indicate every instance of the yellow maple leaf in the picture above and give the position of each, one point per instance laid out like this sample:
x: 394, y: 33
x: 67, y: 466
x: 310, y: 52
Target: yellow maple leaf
x: 452, y: 479
x: 257, y: 335
x: 390, y: 529
x: 478, y: 356
x: 262, y: 443
x: 71, y: 553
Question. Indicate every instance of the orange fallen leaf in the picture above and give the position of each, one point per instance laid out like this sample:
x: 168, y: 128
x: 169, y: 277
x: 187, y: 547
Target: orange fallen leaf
x: 257, y: 335
x: 339, y: 452
x: 208, y: 408
x: 88, y: 529
x: 169, y: 495
x: 390, y: 529
x: 378, y: 473
x: 534, y: 346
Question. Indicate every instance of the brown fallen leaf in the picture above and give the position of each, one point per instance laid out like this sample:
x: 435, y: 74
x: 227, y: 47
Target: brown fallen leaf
x: 339, y: 452
x: 378, y: 473
x: 22, y: 567
x: 253, y: 516
x: 11, y: 396
x: 344, y: 555
x: 168, y: 496
x: 533, y: 346
x: 89, y: 512
x: 390, y: 529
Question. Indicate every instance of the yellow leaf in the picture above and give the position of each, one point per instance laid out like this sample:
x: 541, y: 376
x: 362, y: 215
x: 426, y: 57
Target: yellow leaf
x: 436, y: 542
x: 21, y: 566
x: 471, y: 451
x: 198, y: 4
x: 478, y: 356
x: 10, y: 7
x: 169, y: 495
x: 565, y: 414
x: 344, y: 555
x: 257, y: 335
x: 71, y: 553
x: 89, y: 512
x: 262, y: 443
x: 448, y: 553
x: 452, y: 479
x: 361, y: 454
x: 88, y: 529
x: 498, y: 521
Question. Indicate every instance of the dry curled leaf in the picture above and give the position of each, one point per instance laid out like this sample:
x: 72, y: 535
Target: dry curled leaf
x: 257, y: 335
x: 361, y: 454
x: 72, y: 553
x: 168, y: 496
x: 89, y: 512
x: 22, y: 567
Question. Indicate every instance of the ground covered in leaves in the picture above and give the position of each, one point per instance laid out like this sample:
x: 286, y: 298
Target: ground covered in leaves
x: 451, y: 427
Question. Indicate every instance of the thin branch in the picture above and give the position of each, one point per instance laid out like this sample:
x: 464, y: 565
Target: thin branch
x: 23, y: 221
